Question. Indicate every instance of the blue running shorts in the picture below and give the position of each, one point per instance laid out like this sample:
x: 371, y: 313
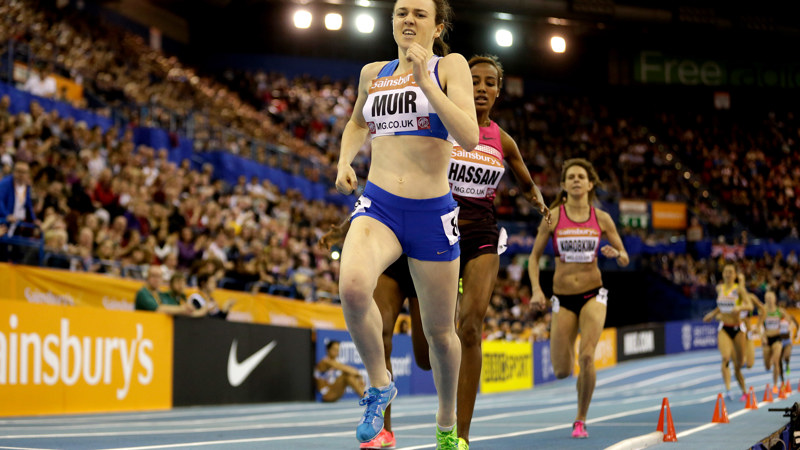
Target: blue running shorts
x: 427, y: 229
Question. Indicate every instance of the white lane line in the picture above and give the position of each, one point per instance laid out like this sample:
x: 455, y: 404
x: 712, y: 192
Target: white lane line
x: 639, y: 442
x: 160, y: 415
x: 21, y: 448
x: 654, y: 367
x: 477, y: 439
x: 646, y: 437
x: 352, y: 415
x: 711, y: 424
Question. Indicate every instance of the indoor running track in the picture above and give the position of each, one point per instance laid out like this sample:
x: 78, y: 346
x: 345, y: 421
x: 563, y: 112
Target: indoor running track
x: 627, y: 403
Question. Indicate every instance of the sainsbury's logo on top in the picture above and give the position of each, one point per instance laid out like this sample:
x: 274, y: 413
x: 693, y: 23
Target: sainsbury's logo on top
x: 87, y: 358
x: 393, y: 81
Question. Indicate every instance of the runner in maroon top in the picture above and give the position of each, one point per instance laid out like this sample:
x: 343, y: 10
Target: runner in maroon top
x: 474, y: 177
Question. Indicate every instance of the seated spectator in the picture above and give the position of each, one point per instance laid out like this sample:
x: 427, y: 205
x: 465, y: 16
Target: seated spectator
x: 203, y: 303
x: 333, y: 378
x: 55, y: 241
x: 177, y: 286
x: 40, y: 82
x: 82, y: 253
x: 177, y: 293
x: 105, y: 258
x: 265, y: 276
x: 189, y: 247
x: 150, y: 298
x: 170, y: 266
x: 303, y: 277
x: 15, y: 197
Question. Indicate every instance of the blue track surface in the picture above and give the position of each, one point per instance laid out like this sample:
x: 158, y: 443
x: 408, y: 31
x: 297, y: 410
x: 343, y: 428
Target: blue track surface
x: 626, y: 403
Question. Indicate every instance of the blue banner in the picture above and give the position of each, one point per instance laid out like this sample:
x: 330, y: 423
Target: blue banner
x: 408, y: 378
x: 21, y: 101
x: 684, y: 336
x: 542, y: 365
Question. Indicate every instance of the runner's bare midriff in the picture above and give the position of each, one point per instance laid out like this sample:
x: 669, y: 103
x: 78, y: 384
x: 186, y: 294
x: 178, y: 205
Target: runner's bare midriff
x: 411, y: 166
x: 575, y: 278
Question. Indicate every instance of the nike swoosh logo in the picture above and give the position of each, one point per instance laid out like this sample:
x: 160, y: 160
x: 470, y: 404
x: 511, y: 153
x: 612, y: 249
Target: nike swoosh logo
x: 488, y: 138
x: 239, y: 371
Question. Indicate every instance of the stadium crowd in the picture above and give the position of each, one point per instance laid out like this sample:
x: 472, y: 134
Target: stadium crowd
x: 108, y: 205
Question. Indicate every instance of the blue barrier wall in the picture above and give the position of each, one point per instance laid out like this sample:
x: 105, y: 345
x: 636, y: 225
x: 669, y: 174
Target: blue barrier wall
x: 542, y: 365
x: 684, y: 336
x: 408, y: 378
x: 21, y: 100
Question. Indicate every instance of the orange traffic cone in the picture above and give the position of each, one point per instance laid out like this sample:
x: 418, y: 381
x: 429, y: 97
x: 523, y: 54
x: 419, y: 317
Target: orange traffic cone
x: 751, y: 400
x: 720, y: 411
x: 782, y: 392
x: 767, y: 394
x: 669, y: 433
x: 788, y: 387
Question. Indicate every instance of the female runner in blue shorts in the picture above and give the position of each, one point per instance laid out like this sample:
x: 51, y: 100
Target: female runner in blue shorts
x: 408, y: 107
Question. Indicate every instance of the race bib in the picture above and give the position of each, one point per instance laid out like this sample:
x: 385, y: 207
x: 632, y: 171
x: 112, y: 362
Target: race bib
x: 450, y: 226
x: 361, y: 206
x: 502, y: 241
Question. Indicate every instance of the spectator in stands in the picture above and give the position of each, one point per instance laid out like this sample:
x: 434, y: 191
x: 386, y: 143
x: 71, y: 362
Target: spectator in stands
x: 265, y: 275
x: 203, y: 301
x: 105, y: 260
x: 170, y: 265
x: 218, y: 249
x: 189, y: 247
x: 176, y: 293
x: 55, y: 241
x: 694, y: 234
x: 303, y: 277
x: 41, y: 81
x: 83, y: 252
x: 333, y: 377
x: 150, y: 297
x: 138, y: 217
x: 16, y: 205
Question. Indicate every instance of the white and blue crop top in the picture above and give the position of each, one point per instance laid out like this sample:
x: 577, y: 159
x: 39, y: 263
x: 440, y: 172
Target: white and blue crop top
x: 396, y: 105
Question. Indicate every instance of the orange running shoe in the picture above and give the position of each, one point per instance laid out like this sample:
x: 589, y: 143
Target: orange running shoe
x: 384, y: 439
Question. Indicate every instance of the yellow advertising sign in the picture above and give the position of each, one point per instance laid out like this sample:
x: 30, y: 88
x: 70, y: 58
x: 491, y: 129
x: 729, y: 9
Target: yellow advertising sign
x: 280, y: 311
x: 58, y: 359
x: 59, y: 287
x: 605, y: 354
x: 507, y: 366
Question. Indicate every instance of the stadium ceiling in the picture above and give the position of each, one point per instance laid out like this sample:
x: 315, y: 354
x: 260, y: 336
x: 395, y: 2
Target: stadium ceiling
x: 712, y: 14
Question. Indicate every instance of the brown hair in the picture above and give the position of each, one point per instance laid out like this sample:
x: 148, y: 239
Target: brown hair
x: 593, y: 177
x: 492, y: 61
x: 443, y: 15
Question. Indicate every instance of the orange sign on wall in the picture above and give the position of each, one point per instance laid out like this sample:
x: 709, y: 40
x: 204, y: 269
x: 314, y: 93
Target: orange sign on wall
x: 71, y: 90
x: 58, y: 359
x: 669, y: 215
x: 605, y: 354
x: 60, y: 287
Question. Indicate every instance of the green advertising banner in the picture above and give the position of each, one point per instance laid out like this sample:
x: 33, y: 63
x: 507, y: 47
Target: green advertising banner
x: 656, y: 67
